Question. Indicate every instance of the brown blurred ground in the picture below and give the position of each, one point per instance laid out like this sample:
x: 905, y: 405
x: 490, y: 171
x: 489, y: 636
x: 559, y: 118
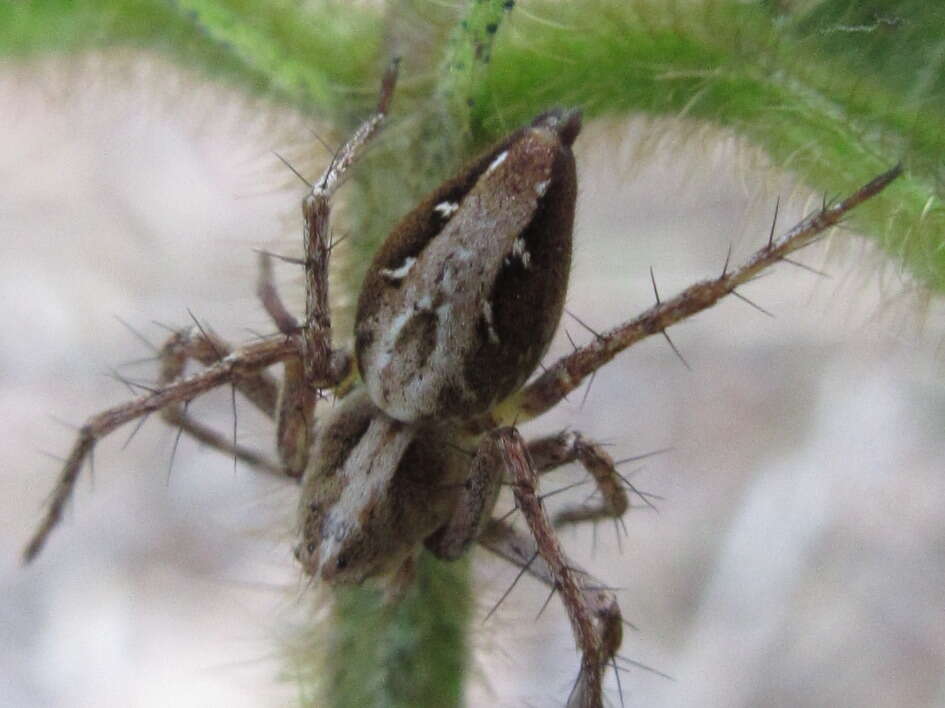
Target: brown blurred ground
x: 797, y: 558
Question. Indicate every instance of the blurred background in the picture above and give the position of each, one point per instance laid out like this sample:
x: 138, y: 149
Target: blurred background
x: 797, y: 554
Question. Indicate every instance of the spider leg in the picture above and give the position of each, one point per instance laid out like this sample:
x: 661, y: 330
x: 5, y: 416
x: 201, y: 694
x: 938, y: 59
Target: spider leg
x: 317, y: 355
x: 568, y: 372
x: 553, y: 451
x: 303, y: 375
x: 478, y: 493
x: 295, y: 407
x: 309, y: 351
x: 592, y: 609
x: 240, y: 365
x: 201, y: 345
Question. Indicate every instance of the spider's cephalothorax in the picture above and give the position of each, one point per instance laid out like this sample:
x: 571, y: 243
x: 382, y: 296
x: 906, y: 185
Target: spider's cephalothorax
x: 456, y: 311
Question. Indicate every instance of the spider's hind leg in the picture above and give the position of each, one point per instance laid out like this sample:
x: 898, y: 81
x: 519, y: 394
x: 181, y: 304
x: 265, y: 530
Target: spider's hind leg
x: 566, y: 374
x: 477, y: 496
x: 549, y: 453
x: 592, y: 608
x: 199, y: 344
x: 319, y: 364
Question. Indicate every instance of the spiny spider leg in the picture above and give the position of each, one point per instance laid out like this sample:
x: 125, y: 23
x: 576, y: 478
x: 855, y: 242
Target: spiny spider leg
x: 567, y: 373
x: 304, y: 375
x: 323, y: 367
x: 592, y: 609
x: 295, y: 408
x: 292, y: 405
x: 551, y: 452
x: 240, y: 364
x: 317, y: 355
x: 201, y: 345
x: 269, y: 297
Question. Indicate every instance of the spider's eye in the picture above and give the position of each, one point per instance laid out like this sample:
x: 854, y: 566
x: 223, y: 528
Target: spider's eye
x: 463, y: 298
x: 310, y: 548
x: 342, y: 562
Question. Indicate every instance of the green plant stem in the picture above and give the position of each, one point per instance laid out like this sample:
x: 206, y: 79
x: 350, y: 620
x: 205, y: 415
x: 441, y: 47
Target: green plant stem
x: 413, y: 652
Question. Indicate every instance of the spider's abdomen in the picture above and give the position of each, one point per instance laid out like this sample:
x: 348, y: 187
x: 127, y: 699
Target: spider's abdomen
x: 463, y: 298
x: 374, y: 489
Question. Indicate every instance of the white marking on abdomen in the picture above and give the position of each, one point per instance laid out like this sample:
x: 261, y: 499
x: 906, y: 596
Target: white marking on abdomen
x: 446, y: 209
x: 399, y: 273
x: 498, y: 161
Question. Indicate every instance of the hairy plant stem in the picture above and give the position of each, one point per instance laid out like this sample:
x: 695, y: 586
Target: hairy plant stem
x: 413, y: 651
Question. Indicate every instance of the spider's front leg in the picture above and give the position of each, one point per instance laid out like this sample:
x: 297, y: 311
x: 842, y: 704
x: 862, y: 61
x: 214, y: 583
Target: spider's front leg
x: 592, y: 608
x: 481, y: 487
x: 240, y: 364
x: 478, y: 493
x: 567, y: 373
x: 311, y: 363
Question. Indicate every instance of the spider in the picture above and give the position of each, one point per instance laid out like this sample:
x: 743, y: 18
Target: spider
x: 456, y: 311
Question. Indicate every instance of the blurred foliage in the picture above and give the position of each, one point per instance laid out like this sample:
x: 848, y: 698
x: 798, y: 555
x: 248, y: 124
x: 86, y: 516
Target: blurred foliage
x: 779, y: 77
x: 835, y: 90
x: 298, y: 52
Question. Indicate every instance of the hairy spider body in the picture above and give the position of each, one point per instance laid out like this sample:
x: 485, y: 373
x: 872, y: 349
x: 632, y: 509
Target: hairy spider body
x: 456, y: 311
x: 374, y: 490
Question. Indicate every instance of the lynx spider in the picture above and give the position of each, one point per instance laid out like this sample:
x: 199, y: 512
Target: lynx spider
x: 311, y: 364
